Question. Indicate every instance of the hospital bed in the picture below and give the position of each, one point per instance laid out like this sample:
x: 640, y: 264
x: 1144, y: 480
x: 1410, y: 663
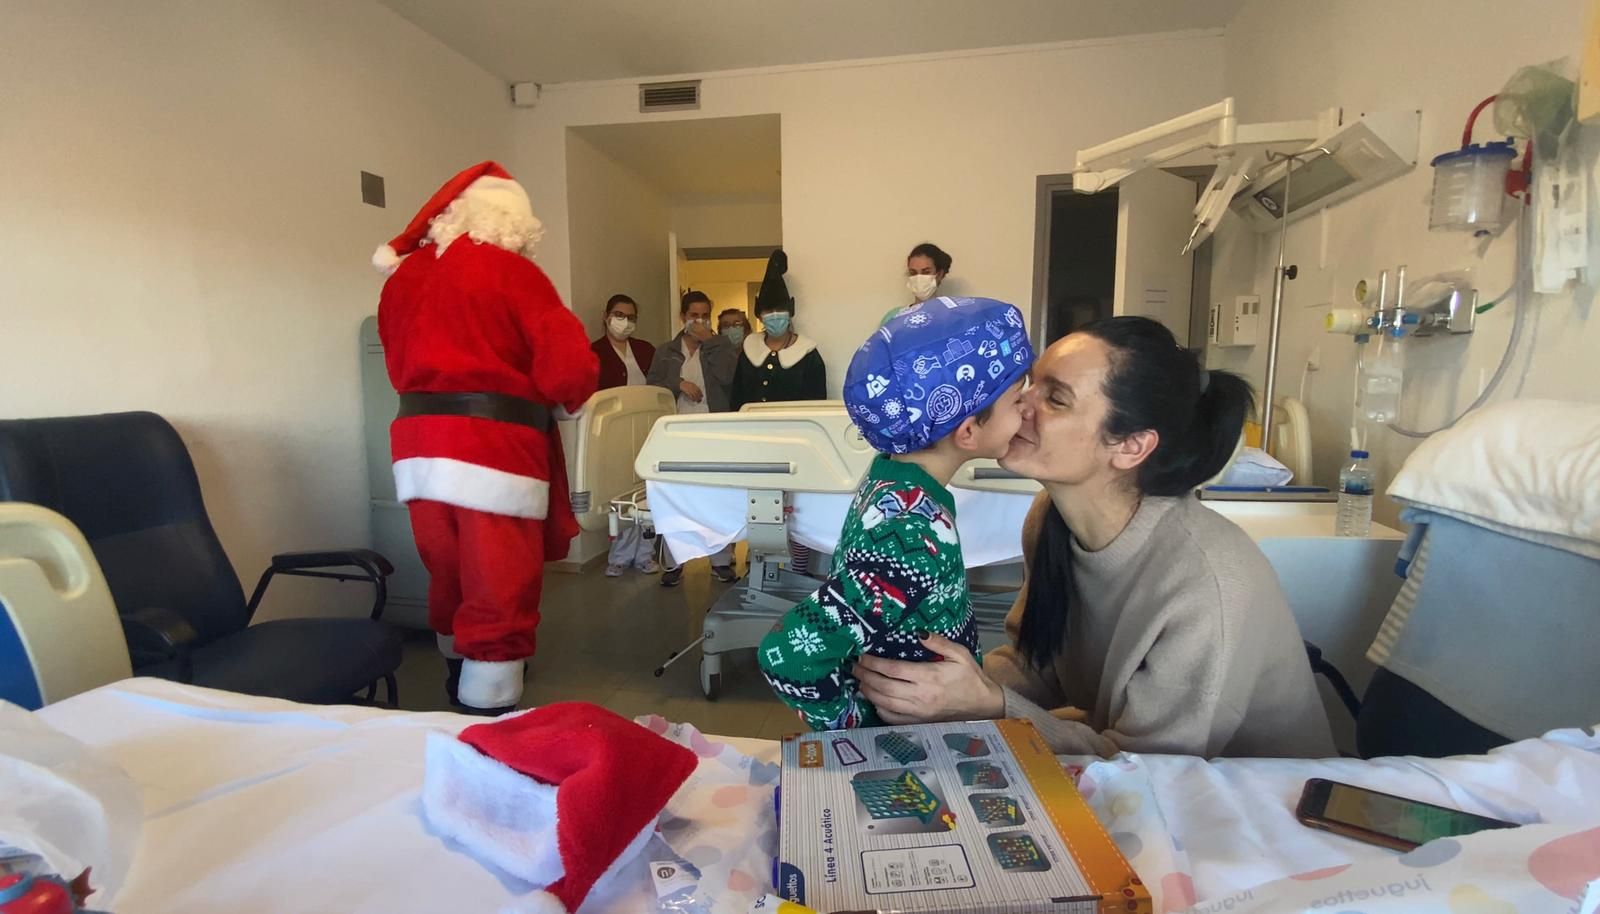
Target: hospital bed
x: 59, y: 629
x: 785, y: 472
x: 601, y: 445
x: 260, y: 806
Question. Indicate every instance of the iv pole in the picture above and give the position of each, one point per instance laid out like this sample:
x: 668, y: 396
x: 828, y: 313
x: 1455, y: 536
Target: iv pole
x: 1279, y: 276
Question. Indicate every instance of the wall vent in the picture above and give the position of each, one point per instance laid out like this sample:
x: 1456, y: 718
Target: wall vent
x: 675, y: 96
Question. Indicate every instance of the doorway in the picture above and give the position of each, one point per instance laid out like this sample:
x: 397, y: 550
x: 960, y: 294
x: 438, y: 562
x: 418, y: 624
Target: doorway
x: 661, y: 206
x: 730, y: 277
x: 1115, y: 253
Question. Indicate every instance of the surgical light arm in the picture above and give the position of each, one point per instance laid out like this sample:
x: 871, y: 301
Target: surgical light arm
x: 1185, y: 140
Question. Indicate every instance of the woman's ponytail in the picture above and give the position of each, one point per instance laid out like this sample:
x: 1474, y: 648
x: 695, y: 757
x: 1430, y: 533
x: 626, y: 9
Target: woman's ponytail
x: 1205, y: 448
x: 1156, y: 385
x: 1043, y: 628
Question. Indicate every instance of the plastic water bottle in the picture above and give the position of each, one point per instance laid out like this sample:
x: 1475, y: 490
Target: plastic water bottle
x: 1355, y: 497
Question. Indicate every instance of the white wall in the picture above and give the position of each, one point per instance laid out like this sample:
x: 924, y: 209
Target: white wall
x: 719, y: 224
x: 617, y: 239
x: 186, y: 232
x: 1290, y: 58
x: 882, y: 155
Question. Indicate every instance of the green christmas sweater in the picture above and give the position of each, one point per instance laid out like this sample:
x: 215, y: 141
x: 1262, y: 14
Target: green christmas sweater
x: 897, y: 571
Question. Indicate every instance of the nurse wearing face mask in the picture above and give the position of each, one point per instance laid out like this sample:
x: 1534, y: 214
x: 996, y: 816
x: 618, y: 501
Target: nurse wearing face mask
x: 623, y: 359
x: 698, y: 366
x: 926, y: 267
x: 734, y: 325
x: 779, y: 364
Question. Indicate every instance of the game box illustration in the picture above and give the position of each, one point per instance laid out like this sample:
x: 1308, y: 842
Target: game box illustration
x: 967, y: 817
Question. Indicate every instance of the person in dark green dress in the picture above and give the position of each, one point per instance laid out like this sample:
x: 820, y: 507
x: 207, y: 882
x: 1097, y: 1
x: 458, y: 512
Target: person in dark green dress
x: 778, y: 364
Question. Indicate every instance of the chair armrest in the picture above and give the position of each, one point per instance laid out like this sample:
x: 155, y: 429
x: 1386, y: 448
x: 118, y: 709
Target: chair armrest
x: 366, y: 559
x: 371, y: 567
x: 156, y: 634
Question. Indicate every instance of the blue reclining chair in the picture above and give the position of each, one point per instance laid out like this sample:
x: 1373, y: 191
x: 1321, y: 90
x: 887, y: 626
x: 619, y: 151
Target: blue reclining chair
x: 126, y: 481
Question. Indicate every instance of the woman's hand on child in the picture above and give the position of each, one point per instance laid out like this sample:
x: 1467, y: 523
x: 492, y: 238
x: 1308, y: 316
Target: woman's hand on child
x: 954, y: 689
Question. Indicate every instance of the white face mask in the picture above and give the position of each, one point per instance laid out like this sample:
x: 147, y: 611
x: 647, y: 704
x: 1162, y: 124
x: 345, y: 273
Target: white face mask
x: 922, y: 285
x: 621, y: 327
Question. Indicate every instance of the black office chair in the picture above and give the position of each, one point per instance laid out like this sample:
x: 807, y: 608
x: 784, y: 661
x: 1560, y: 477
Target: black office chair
x: 1399, y: 717
x: 1341, y: 686
x: 126, y: 481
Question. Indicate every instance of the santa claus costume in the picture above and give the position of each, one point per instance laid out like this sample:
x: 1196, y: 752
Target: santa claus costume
x: 485, y: 356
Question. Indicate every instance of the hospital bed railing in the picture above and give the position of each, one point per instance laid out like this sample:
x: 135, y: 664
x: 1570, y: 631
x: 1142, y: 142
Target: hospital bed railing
x: 774, y: 453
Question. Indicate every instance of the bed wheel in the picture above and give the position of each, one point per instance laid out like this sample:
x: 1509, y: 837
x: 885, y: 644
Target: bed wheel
x: 710, y: 683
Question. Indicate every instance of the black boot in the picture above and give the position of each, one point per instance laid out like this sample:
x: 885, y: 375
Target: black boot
x: 452, y: 680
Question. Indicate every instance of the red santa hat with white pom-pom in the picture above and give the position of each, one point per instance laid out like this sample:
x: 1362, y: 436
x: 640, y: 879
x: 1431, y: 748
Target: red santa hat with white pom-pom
x: 560, y: 797
x: 485, y: 179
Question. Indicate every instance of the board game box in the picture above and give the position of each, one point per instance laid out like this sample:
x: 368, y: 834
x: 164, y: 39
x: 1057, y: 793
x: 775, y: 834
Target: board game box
x: 954, y: 818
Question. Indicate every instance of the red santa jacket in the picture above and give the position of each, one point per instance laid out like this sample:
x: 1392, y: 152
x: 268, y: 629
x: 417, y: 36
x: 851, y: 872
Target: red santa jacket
x: 483, y: 319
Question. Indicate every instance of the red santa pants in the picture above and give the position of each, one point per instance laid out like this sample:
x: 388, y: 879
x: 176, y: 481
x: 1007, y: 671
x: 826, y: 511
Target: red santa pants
x: 487, y: 570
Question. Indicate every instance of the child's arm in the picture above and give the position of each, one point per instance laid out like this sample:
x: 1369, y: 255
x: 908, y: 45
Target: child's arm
x: 805, y: 660
x: 874, y: 601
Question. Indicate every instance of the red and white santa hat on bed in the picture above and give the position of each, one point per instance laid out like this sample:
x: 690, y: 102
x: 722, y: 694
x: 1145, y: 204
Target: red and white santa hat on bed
x: 560, y: 797
x: 497, y: 212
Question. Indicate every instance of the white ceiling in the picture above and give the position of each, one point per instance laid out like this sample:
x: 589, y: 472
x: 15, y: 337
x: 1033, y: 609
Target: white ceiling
x: 728, y: 158
x: 554, y: 41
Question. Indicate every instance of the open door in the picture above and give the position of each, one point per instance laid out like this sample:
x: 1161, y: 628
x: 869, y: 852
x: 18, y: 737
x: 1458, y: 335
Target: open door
x: 1155, y: 211
x: 675, y: 262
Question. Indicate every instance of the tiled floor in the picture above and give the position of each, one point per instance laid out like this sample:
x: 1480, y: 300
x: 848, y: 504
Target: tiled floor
x: 600, y: 640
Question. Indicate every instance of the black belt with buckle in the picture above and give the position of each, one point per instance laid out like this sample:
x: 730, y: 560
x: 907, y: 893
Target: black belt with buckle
x: 500, y: 407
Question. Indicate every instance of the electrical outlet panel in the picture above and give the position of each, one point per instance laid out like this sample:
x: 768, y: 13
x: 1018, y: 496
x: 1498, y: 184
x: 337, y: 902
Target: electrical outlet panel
x: 1235, y: 323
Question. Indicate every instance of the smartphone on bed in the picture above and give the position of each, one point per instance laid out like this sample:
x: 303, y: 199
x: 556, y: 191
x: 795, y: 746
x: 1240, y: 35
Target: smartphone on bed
x: 1384, y: 819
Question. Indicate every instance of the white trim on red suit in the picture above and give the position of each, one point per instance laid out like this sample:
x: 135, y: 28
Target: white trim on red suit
x: 468, y: 485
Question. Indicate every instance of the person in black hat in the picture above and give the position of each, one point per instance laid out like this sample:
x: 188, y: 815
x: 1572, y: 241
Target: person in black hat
x: 779, y: 364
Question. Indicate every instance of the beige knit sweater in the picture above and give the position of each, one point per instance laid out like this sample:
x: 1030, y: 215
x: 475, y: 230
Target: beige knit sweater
x: 1178, y: 641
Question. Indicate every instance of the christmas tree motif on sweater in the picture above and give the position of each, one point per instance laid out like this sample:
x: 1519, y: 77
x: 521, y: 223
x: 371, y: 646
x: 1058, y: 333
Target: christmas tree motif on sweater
x: 898, y: 571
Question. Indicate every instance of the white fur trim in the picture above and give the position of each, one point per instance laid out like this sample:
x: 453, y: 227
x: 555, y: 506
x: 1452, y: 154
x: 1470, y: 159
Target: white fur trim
x: 755, y: 349
x: 628, y: 853
x: 490, y: 683
x: 490, y: 211
x: 385, y: 259
x: 536, y: 903
x: 497, y: 813
x: 467, y: 485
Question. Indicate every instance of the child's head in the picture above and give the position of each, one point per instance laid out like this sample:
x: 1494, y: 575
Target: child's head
x: 948, y: 374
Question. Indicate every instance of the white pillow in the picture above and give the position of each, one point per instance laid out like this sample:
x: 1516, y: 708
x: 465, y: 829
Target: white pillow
x: 1527, y: 468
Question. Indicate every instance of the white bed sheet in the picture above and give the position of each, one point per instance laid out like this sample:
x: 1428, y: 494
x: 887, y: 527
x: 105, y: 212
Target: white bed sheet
x: 696, y: 521
x: 258, y: 805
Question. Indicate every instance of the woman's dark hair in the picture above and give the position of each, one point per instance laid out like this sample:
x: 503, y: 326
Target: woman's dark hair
x: 692, y: 297
x: 618, y: 299
x: 1197, y: 415
x: 941, y: 260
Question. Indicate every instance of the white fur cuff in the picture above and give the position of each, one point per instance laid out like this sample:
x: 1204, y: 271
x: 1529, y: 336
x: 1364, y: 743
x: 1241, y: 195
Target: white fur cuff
x: 490, y: 683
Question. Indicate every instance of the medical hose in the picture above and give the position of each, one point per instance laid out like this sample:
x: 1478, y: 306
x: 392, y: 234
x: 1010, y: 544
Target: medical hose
x: 1520, y: 291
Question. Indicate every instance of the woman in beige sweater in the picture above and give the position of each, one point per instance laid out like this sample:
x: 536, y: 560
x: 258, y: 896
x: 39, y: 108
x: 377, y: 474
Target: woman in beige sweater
x: 1146, y: 621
